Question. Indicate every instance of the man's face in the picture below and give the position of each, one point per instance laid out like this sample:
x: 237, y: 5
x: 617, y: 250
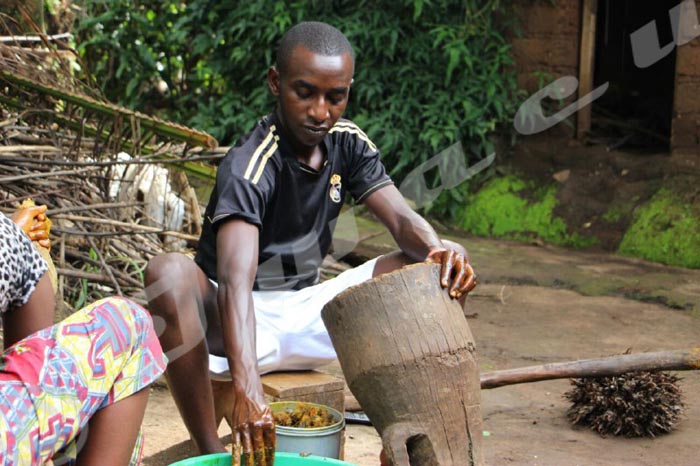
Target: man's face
x: 312, y: 94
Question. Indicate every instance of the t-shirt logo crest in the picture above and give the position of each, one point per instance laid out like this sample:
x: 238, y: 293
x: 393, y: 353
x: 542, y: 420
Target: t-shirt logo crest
x: 335, y: 188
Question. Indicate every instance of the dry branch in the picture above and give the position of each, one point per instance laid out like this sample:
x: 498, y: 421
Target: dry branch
x: 96, y: 277
x: 7, y: 179
x: 680, y: 360
x: 17, y: 149
x: 134, y: 228
x: 59, y: 145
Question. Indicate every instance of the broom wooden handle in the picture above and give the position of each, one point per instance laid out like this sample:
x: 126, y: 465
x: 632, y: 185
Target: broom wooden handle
x: 680, y: 360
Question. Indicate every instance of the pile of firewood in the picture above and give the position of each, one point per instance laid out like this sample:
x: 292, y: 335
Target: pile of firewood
x: 103, y: 232
x: 114, y: 180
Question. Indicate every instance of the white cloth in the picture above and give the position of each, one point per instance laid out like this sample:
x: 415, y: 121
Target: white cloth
x: 289, y: 330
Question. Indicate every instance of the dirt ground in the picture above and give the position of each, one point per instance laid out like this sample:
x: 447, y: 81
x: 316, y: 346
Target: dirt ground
x: 537, y: 305
x: 594, y: 178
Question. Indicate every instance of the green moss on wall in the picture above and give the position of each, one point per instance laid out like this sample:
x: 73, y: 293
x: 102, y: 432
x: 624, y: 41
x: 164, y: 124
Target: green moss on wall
x: 665, y: 230
x: 509, y: 207
x: 620, y: 211
x: 612, y: 215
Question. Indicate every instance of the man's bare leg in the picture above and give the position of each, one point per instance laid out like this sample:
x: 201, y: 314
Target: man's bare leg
x: 182, y: 302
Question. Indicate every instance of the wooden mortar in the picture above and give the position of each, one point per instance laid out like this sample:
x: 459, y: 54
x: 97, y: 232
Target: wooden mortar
x: 408, y: 356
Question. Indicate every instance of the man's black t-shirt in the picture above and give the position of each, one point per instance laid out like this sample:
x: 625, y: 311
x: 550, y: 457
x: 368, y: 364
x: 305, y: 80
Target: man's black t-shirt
x: 293, y: 205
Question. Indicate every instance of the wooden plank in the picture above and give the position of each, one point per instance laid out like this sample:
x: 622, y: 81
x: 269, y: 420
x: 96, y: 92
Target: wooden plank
x: 310, y: 386
x: 296, y: 384
x: 586, y: 64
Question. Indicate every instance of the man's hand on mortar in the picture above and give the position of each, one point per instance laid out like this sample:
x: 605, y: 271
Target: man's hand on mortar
x: 456, y: 274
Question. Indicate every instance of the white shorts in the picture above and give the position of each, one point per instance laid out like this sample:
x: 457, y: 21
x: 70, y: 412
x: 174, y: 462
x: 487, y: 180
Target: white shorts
x: 290, y: 332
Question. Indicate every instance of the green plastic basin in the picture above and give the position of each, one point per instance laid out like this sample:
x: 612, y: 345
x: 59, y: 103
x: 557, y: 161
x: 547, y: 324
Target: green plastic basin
x: 281, y: 459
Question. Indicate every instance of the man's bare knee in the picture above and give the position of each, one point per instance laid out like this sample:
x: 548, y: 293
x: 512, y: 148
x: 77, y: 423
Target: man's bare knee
x: 168, y: 279
x: 172, y: 265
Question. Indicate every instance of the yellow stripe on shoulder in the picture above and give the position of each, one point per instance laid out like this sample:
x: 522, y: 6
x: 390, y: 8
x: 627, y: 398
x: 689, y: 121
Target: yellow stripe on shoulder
x: 265, y: 158
x: 254, y: 158
x: 352, y: 128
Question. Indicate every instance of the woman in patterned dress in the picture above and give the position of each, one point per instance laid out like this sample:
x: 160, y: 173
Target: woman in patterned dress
x: 73, y: 392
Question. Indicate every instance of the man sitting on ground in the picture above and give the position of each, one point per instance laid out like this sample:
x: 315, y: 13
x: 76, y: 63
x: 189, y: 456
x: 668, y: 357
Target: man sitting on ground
x: 252, y: 296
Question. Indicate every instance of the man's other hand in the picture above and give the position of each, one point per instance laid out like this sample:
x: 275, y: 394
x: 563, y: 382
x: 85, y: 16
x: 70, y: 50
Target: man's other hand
x: 457, y: 274
x: 254, y: 439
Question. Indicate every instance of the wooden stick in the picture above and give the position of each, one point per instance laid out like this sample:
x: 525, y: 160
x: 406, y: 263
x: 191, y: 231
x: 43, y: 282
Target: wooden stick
x: 30, y: 148
x: 143, y: 231
x: 70, y: 163
x: 130, y: 226
x: 586, y: 63
x: 123, y: 249
x: 27, y: 194
x: 77, y: 255
x: 61, y: 279
x: 103, y: 205
x: 7, y: 122
x: 107, y: 269
x: 679, y: 360
x: 7, y: 179
x: 97, y: 277
x: 36, y: 38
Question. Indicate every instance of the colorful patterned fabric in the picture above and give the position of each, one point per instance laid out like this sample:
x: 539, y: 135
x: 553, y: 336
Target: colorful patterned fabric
x: 55, y: 380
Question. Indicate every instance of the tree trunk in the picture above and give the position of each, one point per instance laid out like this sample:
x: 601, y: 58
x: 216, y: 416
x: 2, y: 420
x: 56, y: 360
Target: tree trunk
x: 408, y: 356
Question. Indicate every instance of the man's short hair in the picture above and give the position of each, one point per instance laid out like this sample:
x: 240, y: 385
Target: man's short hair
x: 319, y: 38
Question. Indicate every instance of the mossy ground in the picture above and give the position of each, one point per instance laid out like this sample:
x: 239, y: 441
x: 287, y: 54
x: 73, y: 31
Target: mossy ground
x: 666, y: 230
x: 511, y: 207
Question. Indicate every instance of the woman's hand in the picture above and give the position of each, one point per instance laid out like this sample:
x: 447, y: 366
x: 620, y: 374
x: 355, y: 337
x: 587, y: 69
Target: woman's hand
x: 33, y: 221
x: 457, y: 274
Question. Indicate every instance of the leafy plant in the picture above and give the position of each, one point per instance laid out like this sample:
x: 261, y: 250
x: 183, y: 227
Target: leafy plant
x: 429, y: 73
x: 84, y: 293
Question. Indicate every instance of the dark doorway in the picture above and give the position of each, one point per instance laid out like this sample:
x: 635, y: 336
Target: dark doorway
x: 635, y: 113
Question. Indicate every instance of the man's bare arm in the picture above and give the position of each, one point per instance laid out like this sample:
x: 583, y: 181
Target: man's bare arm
x: 419, y: 241
x: 412, y: 233
x: 237, y: 259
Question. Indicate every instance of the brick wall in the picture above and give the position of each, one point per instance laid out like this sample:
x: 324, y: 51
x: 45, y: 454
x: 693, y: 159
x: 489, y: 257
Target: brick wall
x: 685, y: 135
x: 549, y: 43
